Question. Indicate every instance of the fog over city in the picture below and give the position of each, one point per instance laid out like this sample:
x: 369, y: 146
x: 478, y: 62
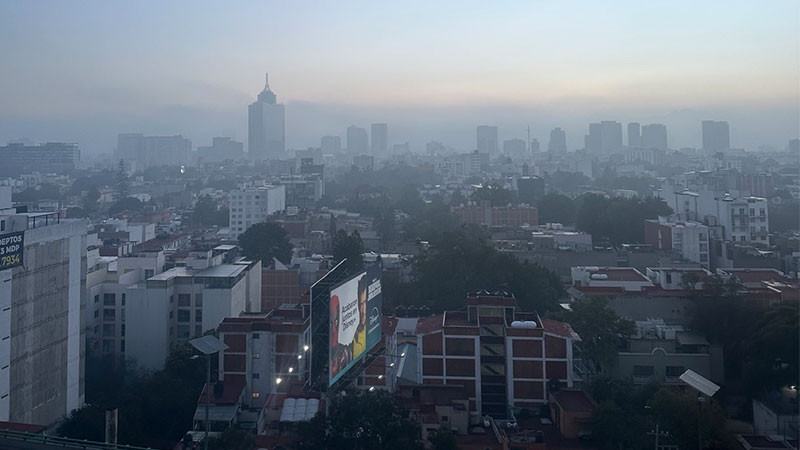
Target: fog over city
x: 399, y: 225
x: 432, y: 70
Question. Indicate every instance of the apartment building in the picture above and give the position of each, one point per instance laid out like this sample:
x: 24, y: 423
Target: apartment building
x: 250, y: 205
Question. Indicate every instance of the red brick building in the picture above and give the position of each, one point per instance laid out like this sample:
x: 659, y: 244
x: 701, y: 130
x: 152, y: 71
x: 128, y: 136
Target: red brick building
x: 497, y: 216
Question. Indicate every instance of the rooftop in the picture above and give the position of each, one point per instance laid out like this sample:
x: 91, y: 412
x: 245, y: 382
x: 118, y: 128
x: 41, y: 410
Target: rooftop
x: 573, y: 400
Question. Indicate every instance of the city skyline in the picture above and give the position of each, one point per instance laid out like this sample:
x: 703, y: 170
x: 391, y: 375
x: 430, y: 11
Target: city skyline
x: 735, y: 63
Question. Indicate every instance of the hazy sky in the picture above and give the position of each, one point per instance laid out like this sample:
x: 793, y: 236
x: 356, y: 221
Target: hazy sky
x: 88, y: 70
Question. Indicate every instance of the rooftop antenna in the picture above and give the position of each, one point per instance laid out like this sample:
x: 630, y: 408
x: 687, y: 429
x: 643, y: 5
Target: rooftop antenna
x: 266, y: 81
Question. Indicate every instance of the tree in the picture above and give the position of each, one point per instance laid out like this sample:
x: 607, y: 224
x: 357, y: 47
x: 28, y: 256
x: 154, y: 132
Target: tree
x: 443, y: 439
x: 207, y: 213
x: 349, y: 247
x: 772, y: 350
x: 678, y: 412
x: 233, y: 439
x: 123, y: 185
x: 126, y: 204
x: 264, y: 241
x: 462, y: 261
x: 75, y: 212
x: 617, y: 220
x: 602, y: 332
x: 361, y: 420
x: 385, y: 223
x: 556, y: 208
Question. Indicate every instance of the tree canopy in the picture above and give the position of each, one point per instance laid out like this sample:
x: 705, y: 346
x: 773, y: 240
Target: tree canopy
x: 602, y: 332
x: 556, y: 208
x: 207, y: 213
x: 361, y: 420
x: 349, y: 247
x: 617, y: 220
x: 264, y: 241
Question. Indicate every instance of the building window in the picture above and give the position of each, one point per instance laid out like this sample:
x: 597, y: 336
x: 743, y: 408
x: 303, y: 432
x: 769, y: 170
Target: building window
x: 108, y: 346
x: 122, y: 346
x: 171, y: 298
x: 97, y: 314
x: 97, y: 298
x: 255, y: 376
x: 123, y: 314
x: 109, y: 314
x: 198, y: 300
x: 109, y: 330
x: 123, y: 299
x: 109, y: 299
x: 763, y: 212
x: 256, y: 355
x: 256, y: 394
x: 752, y: 211
x: 122, y: 330
x: 256, y: 336
x: 171, y: 314
x: 184, y: 300
x: 675, y: 371
x: 183, y: 315
x: 198, y: 315
x: 642, y: 371
x: 669, y: 278
x: 148, y: 273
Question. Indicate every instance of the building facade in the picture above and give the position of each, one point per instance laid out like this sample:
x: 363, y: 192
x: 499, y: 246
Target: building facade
x: 55, y: 157
x: 487, y: 139
x: 41, y: 333
x: 250, y: 205
x: 379, y: 143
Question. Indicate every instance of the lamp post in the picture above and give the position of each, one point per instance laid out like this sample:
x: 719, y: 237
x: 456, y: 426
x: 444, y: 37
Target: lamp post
x: 706, y: 389
x: 208, y: 345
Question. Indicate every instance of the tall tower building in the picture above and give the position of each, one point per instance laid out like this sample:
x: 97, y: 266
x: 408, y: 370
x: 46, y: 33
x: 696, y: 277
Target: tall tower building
x: 558, y: 141
x: 380, y: 137
x: 654, y: 136
x: 487, y: 139
x: 357, y: 140
x: 716, y: 135
x: 605, y: 137
x: 266, y: 126
x: 634, y: 135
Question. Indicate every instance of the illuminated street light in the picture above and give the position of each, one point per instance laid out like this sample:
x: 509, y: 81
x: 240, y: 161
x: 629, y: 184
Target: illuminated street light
x: 306, y: 347
x: 291, y: 369
x: 278, y: 380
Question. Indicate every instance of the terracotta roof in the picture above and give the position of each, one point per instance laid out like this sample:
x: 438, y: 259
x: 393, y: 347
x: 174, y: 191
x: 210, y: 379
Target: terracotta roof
x: 26, y: 427
x: 559, y: 328
x: 232, y: 388
x: 621, y: 274
x: 429, y: 324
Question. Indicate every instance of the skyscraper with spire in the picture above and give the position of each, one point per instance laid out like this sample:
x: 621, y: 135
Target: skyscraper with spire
x: 266, y: 127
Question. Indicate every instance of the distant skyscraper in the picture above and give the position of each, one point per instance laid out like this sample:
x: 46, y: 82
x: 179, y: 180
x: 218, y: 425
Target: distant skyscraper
x: 654, y: 136
x: 266, y: 127
x: 140, y: 151
x: 605, y: 137
x: 634, y: 135
x: 331, y: 144
x: 515, y: 148
x: 357, y: 140
x: 380, y: 137
x: 558, y: 141
x: 535, y: 146
x: 716, y: 136
x: 487, y: 139
x: 794, y: 146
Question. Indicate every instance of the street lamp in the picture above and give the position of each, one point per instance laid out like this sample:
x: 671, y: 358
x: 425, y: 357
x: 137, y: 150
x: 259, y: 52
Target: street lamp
x: 208, y: 345
x: 706, y: 389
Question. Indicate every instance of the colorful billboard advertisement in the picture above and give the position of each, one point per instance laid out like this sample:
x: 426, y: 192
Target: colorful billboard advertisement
x: 356, y: 313
x: 12, y: 246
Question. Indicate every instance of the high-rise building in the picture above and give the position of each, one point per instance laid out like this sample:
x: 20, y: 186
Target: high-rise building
x: 654, y: 136
x: 716, y: 135
x: 380, y: 137
x: 535, y: 146
x: 266, y: 127
x: 634, y: 135
x: 41, y: 323
x: 331, y: 145
x: 141, y: 152
x: 515, y: 148
x: 357, y: 140
x: 558, y: 141
x: 605, y: 137
x: 487, y: 139
x: 250, y: 205
x: 221, y: 149
x: 50, y: 157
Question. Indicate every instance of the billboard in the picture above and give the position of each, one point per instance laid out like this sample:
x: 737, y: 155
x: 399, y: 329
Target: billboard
x: 12, y: 246
x: 356, y: 313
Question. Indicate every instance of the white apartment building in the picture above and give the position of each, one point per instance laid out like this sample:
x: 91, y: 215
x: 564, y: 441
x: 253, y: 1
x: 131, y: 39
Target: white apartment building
x: 41, y: 337
x: 250, y: 205
x: 184, y: 302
